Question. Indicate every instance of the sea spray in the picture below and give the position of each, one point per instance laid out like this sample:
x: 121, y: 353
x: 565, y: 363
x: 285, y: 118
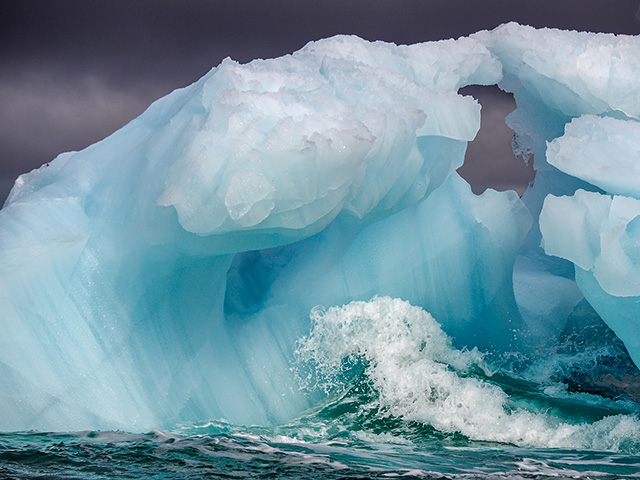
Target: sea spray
x: 420, y: 377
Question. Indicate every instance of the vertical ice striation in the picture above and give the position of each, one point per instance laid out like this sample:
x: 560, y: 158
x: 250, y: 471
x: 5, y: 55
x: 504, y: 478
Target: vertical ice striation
x: 165, y: 273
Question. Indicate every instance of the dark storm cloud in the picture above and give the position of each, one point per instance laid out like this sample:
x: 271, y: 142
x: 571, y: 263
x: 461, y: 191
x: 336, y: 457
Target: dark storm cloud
x: 46, y: 111
x: 72, y: 71
x: 489, y: 162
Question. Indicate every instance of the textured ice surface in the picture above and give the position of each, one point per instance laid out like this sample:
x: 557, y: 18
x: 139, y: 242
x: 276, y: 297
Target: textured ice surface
x: 572, y: 72
x: 603, y: 151
x: 165, y: 273
x: 599, y: 231
x: 579, y: 92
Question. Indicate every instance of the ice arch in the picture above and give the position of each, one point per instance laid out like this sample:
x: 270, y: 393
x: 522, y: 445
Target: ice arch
x: 165, y: 273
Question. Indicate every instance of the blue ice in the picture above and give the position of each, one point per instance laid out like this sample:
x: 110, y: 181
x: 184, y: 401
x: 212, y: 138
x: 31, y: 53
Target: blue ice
x: 166, y: 273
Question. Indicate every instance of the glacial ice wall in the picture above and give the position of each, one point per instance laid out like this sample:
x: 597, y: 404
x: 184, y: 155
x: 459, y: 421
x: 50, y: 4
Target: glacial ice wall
x: 166, y: 273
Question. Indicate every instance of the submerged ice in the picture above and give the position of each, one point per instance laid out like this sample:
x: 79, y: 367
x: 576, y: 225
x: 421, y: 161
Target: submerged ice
x: 166, y: 273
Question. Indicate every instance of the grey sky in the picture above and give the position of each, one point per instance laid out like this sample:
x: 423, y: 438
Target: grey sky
x: 73, y: 71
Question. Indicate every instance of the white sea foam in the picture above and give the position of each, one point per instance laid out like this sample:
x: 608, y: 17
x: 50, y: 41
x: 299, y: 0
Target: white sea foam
x: 420, y: 376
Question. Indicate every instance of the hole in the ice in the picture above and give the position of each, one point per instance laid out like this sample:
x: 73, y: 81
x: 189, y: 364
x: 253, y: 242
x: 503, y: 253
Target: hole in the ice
x: 489, y: 161
x: 247, y: 283
x: 250, y: 277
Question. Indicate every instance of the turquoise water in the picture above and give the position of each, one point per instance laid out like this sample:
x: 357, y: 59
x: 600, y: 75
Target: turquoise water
x: 351, y: 435
x: 111, y: 455
x: 401, y: 402
x: 345, y: 438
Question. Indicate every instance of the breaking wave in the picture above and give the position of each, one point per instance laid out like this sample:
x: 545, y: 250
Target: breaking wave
x: 414, y: 374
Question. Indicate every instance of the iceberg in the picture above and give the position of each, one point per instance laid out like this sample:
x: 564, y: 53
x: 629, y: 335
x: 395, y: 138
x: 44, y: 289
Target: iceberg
x: 599, y: 231
x: 166, y: 273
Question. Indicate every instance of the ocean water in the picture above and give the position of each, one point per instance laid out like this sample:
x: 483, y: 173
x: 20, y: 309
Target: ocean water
x: 401, y: 402
x: 345, y: 438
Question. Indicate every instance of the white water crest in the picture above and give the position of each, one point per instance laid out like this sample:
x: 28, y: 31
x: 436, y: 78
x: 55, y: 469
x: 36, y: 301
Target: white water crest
x: 421, y: 377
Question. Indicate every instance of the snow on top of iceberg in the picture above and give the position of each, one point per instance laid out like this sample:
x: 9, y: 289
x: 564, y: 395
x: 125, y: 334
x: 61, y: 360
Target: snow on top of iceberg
x: 282, y: 146
x: 442, y: 66
x: 574, y: 72
x: 290, y: 142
